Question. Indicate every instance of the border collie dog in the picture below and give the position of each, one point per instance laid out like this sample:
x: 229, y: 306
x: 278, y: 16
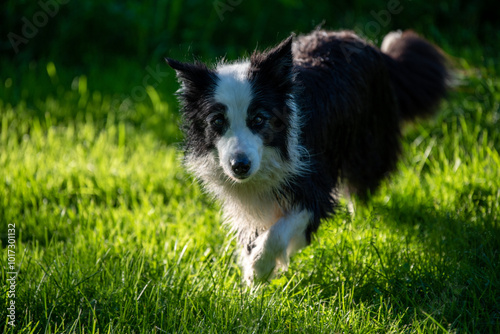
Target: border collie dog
x: 273, y: 137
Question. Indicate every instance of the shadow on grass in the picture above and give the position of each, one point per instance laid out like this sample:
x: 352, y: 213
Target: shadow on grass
x: 446, y: 263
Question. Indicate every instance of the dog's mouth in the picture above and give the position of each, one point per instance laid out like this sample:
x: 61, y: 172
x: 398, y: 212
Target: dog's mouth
x: 239, y: 178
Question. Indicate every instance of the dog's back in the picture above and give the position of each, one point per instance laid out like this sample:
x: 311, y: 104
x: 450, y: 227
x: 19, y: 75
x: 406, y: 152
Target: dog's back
x: 356, y: 97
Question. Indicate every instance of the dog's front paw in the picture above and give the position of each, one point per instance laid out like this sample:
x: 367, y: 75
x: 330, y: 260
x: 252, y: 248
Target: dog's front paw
x: 262, y: 262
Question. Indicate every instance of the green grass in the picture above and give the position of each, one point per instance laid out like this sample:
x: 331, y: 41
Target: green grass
x: 112, y: 236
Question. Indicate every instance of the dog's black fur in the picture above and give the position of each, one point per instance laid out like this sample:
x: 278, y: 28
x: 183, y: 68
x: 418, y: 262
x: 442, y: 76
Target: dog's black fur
x: 355, y: 98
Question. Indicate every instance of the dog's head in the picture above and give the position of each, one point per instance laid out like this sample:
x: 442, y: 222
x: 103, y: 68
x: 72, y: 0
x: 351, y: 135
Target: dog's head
x: 240, y: 119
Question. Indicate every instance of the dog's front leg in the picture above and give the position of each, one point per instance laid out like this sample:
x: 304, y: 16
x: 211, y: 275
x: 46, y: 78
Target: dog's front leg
x: 273, y: 247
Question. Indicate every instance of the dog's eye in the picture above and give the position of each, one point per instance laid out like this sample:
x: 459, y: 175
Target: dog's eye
x: 258, y: 120
x: 218, y: 122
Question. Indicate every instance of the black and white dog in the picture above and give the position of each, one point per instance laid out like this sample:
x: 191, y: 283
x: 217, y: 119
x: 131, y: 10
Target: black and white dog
x: 272, y: 137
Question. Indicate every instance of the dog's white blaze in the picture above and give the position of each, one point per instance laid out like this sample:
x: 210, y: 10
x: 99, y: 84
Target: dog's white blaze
x: 235, y: 92
x: 233, y: 88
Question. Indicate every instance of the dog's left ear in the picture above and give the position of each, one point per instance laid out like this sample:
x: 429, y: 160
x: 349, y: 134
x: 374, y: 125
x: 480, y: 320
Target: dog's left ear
x: 192, y: 77
x: 277, y: 61
x: 188, y: 72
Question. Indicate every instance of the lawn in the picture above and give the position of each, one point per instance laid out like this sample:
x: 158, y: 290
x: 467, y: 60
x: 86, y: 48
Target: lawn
x: 111, y: 234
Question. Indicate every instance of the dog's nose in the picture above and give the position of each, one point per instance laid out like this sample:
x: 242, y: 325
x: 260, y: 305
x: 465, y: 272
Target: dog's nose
x: 240, y: 164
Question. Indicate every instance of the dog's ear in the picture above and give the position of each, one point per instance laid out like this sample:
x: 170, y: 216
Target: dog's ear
x: 190, y: 74
x: 195, y: 78
x: 277, y: 61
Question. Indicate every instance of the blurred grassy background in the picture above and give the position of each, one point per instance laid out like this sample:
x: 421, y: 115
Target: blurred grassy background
x: 97, y: 32
x: 105, y: 47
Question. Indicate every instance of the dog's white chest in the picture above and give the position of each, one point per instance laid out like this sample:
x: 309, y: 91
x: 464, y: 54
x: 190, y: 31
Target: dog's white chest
x: 257, y: 213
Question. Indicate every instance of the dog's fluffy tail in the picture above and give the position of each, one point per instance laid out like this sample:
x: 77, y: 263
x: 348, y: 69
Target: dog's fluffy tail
x: 418, y: 72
